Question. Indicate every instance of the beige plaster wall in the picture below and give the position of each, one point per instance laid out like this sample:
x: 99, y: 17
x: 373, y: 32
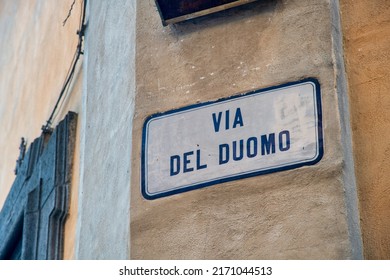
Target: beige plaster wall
x: 366, y: 29
x: 36, y: 53
x: 296, y: 214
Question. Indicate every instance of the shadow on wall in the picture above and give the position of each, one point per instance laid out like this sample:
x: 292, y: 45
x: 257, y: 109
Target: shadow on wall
x: 234, y: 14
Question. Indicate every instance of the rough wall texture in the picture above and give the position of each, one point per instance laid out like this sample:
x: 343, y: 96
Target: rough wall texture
x: 36, y: 53
x: 367, y: 39
x: 349, y: 176
x: 297, y: 214
x: 108, y: 99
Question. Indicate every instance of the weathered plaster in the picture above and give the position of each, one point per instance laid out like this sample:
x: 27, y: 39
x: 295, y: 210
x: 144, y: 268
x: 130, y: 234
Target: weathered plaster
x: 36, y: 53
x: 349, y: 177
x: 366, y: 41
x: 108, y: 100
x: 296, y: 214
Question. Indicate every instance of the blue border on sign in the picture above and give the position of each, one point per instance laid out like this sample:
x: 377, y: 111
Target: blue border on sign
x: 315, y: 160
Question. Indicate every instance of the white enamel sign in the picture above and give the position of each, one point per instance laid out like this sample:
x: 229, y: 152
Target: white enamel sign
x: 255, y: 133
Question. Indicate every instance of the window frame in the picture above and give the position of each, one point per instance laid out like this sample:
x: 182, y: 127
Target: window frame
x: 37, y: 205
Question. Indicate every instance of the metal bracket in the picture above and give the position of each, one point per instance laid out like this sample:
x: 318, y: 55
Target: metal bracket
x: 22, y: 152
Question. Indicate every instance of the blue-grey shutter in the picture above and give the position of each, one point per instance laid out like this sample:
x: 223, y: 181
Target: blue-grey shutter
x: 34, y: 213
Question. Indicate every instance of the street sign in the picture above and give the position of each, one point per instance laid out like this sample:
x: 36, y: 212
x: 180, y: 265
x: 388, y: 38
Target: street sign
x: 172, y: 11
x: 259, y: 132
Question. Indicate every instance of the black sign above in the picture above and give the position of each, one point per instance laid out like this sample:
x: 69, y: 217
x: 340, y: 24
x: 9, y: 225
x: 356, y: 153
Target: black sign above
x: 173, y: 11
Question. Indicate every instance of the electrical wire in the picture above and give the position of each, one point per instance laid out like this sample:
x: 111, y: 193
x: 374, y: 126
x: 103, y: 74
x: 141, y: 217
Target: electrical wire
x: 69, y: 13
x: 69, y: 76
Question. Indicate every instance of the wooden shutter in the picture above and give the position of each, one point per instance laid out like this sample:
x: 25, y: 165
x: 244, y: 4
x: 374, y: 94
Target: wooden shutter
x: 34, y: 213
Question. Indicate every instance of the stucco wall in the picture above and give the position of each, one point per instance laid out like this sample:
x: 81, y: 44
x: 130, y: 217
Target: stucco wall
x: 36, y: 53
x: 366, y: 41
x: 108, y: 99
x: 309, y: 212
x: 298, y: 214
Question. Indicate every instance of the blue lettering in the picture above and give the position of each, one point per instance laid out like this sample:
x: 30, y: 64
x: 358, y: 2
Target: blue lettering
x: 285, y: 147
x: 175, y: 165
x: 248, y: 147
x: 217, y: 121
x: 198, y: 164
x: 238, y: 119
x: 227, y: 120
x: 186, y: 161
x: 176, y: 161
x: 239, y: 157
x: 268, y: 145
x: 223, y: 160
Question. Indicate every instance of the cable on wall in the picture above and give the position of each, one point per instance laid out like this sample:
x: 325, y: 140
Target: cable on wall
x: 69, y: 76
